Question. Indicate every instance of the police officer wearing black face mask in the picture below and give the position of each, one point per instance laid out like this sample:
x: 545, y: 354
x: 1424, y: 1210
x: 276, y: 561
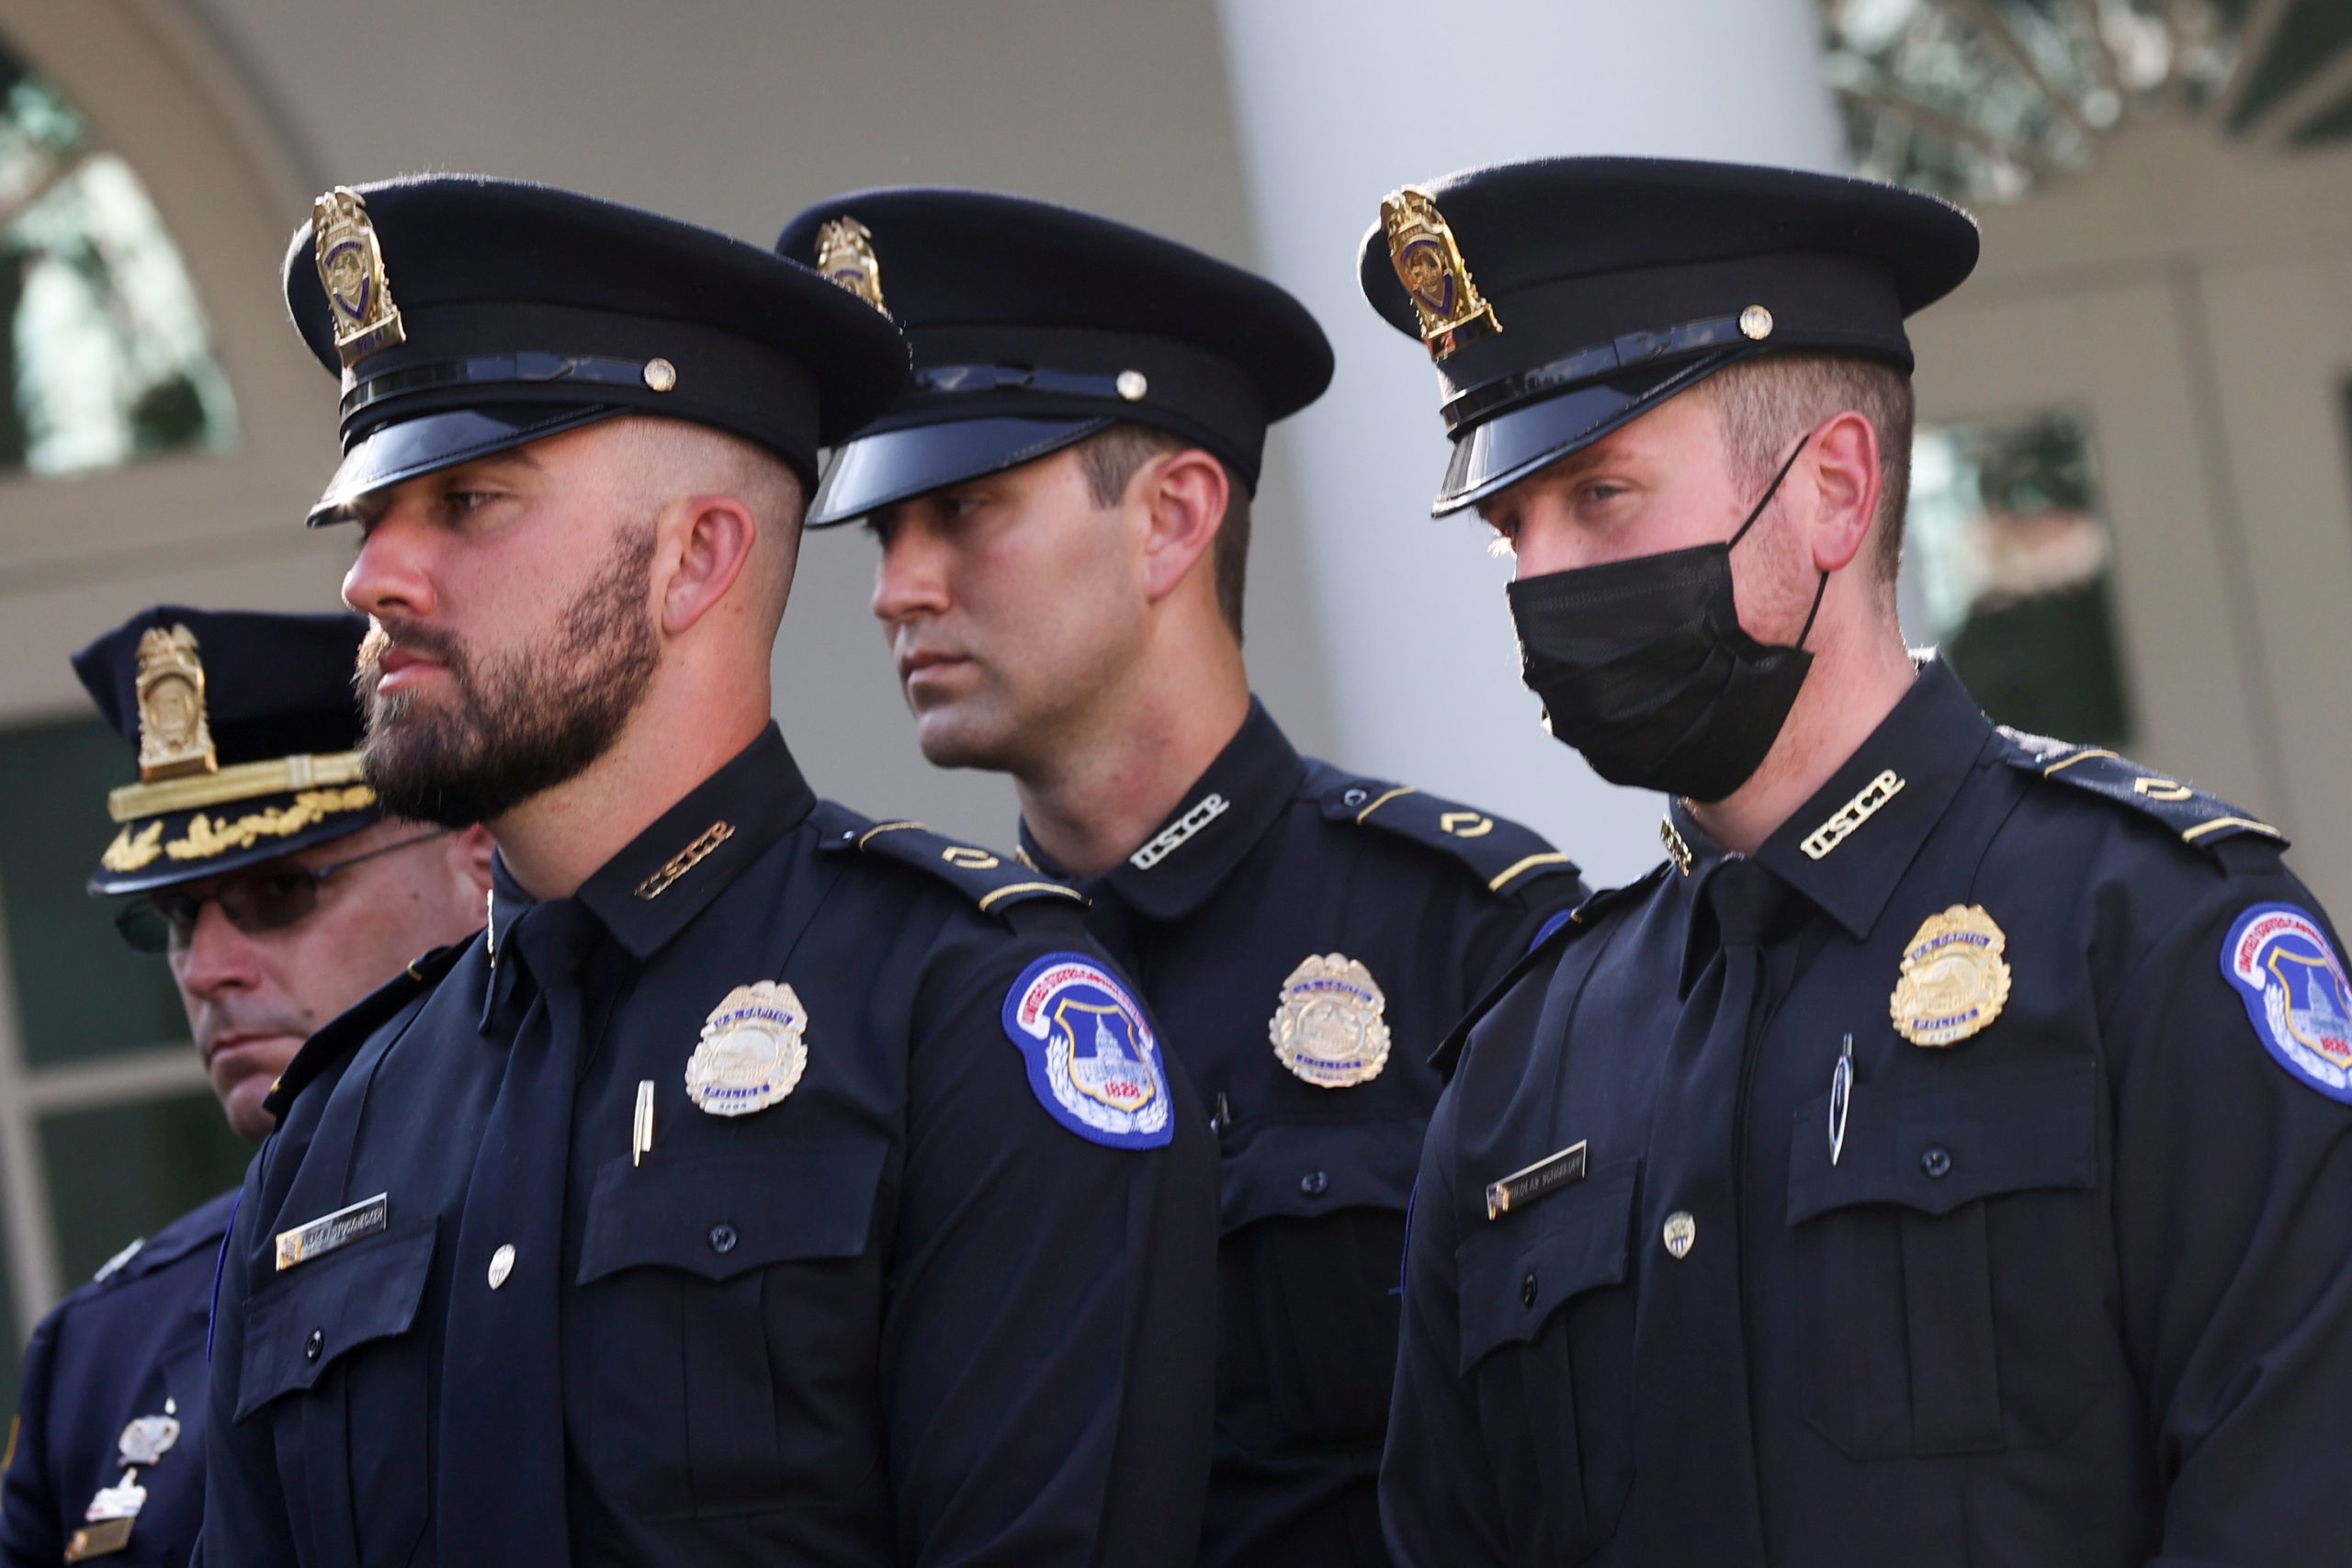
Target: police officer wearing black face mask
x: 1090, y: 405
x: 765, y: 1184
x: 1945, y: 1157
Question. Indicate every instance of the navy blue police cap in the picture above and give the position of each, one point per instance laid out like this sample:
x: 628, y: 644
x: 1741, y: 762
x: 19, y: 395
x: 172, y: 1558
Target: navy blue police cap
x: 246, y: 729
x: 467, y: 315
x: 1563, y: 297
x: 1034, y: 326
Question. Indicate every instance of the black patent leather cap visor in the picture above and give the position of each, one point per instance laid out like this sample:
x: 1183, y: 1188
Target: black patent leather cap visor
x: 889, y: 467
x: 1504, y: 449
x: 391, y: 452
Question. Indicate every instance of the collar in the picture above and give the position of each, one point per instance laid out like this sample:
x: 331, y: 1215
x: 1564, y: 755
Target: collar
x: 669, y: 873
x: 1187, y: 857
x: 1849, y: 845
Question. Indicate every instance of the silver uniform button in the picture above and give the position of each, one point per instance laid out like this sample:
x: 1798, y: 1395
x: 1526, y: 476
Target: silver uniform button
x: 501, y: 1263
x: 1681, y: 1230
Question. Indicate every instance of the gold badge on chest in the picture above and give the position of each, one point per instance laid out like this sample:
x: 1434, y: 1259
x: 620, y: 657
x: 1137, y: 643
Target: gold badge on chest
x: 1954, y: 980
x: 1329, y: 1028
x: 752, y: 1051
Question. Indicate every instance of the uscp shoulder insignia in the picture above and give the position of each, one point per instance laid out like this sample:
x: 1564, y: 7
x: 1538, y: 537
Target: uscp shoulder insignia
x: 2291, y: 980
x: 1092, y: 1062
x: 1330, y: 1028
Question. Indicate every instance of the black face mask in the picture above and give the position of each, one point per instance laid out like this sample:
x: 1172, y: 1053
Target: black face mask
x: 1643, y: 666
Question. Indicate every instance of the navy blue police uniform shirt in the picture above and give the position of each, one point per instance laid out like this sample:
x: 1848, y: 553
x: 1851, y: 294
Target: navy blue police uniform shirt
x: 944, y: 1301
x: 2057, y: 1274
x: 129, y: 1344
x: 1239, y: 918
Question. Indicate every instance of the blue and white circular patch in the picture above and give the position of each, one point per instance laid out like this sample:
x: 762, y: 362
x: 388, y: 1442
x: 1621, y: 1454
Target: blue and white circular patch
x: 1092, y: 1062
x: 2293, y: 984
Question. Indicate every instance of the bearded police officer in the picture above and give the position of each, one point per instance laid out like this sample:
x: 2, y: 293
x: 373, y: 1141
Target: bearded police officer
x: 252, y: 859
x: 1063, y: 509
x: 768, y: 1184
x: 1944, y: 1158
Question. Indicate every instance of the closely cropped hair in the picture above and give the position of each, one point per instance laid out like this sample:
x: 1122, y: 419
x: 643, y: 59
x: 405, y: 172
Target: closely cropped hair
x: 1765, y: 404
x: 1110, y: 459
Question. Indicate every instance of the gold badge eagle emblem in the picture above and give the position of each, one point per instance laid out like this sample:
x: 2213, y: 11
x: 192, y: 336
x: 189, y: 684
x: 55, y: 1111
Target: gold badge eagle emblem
x: 1954, y: 981
x: 753, y: 1051
x: 1429, y: 263
x: 1329, y: 1028
x: 351, y: 270
x: 845, y: 255
x: 175, y: 740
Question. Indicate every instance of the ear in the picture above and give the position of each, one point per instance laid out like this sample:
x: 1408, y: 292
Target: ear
x: 707, y: 540
x: 1186, y: 493
x: 1843, y: 463
x: 469, y: 851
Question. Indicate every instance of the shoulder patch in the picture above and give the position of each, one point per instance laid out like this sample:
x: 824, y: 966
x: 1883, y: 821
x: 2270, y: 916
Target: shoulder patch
x: 993, y: 882
x: 344, y: 1033
x: 2285, y: 969
x: 1505, y: 856
x: 2202, y: 820
x: 1092, y: 1062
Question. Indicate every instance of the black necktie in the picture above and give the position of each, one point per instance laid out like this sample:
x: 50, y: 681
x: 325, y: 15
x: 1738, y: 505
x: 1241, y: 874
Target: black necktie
x: 1694, y: 1458
x: 501, y: 1467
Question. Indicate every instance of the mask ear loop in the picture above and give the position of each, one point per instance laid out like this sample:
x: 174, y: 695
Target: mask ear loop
x: 1819, y: 589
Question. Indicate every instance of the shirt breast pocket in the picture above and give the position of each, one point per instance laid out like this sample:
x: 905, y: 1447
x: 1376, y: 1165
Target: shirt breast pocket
x: 1547, y: 1353
x: 1949, y: 1265
x: 725, y: 1300
x: 332, y: 1360
x: 1313, y: 1223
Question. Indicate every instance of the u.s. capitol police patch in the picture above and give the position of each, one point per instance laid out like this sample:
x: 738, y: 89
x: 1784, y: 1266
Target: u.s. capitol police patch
x: 2292, y: 982
x: 1092, y: 1062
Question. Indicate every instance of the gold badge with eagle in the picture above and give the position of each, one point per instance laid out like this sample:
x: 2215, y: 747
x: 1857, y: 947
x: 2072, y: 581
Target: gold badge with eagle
x: 1429, y: 263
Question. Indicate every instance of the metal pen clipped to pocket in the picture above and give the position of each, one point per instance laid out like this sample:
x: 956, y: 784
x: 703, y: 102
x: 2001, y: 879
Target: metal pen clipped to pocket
x: 1841, y: 1098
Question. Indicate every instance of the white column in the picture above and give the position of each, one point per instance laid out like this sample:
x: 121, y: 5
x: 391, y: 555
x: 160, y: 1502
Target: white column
x: 1340, y: 101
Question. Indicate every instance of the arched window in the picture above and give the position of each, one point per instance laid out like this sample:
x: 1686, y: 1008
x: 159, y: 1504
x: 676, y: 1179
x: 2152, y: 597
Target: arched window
x: 104, y: 354
x: 161, y: 432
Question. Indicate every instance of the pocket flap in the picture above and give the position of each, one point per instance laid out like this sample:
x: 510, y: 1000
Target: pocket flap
x: 305, y: 1320
x: 719, y: 1215
x: 1972, y: 1130
x: 1519, y: 1268
x: 1307, y: 1170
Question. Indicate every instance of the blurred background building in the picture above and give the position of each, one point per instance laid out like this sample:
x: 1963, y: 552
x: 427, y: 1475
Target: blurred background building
x: 2133, y: 522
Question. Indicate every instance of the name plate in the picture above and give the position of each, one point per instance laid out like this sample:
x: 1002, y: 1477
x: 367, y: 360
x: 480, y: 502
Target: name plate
x: 367, y: 1217
x: 1547, y: 1175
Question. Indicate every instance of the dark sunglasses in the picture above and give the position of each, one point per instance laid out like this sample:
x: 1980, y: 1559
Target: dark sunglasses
x: 269, y: 899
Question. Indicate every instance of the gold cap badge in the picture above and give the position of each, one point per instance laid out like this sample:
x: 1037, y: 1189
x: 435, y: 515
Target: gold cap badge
x: 1429, y: 263
x: 845, y: 254
x: 351, y: 270
x: 174, y: 739
x: 1330, y: 1028
x: 1954, y: 980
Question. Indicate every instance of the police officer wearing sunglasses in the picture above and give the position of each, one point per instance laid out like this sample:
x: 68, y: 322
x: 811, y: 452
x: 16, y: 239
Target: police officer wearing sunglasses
x: 252, y: 857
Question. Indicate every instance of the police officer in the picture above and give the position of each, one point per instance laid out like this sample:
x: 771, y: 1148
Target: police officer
x: 1943, y: 1157
x: 1063, y: 509
x: 767, y: 1184
x: 255, y: 861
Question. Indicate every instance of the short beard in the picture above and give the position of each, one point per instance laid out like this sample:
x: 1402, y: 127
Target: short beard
x: 520, y: 727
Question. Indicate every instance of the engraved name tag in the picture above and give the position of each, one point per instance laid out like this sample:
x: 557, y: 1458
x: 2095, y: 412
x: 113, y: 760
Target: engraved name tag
x: 1521, y: 1187
x: 365, y: 1218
